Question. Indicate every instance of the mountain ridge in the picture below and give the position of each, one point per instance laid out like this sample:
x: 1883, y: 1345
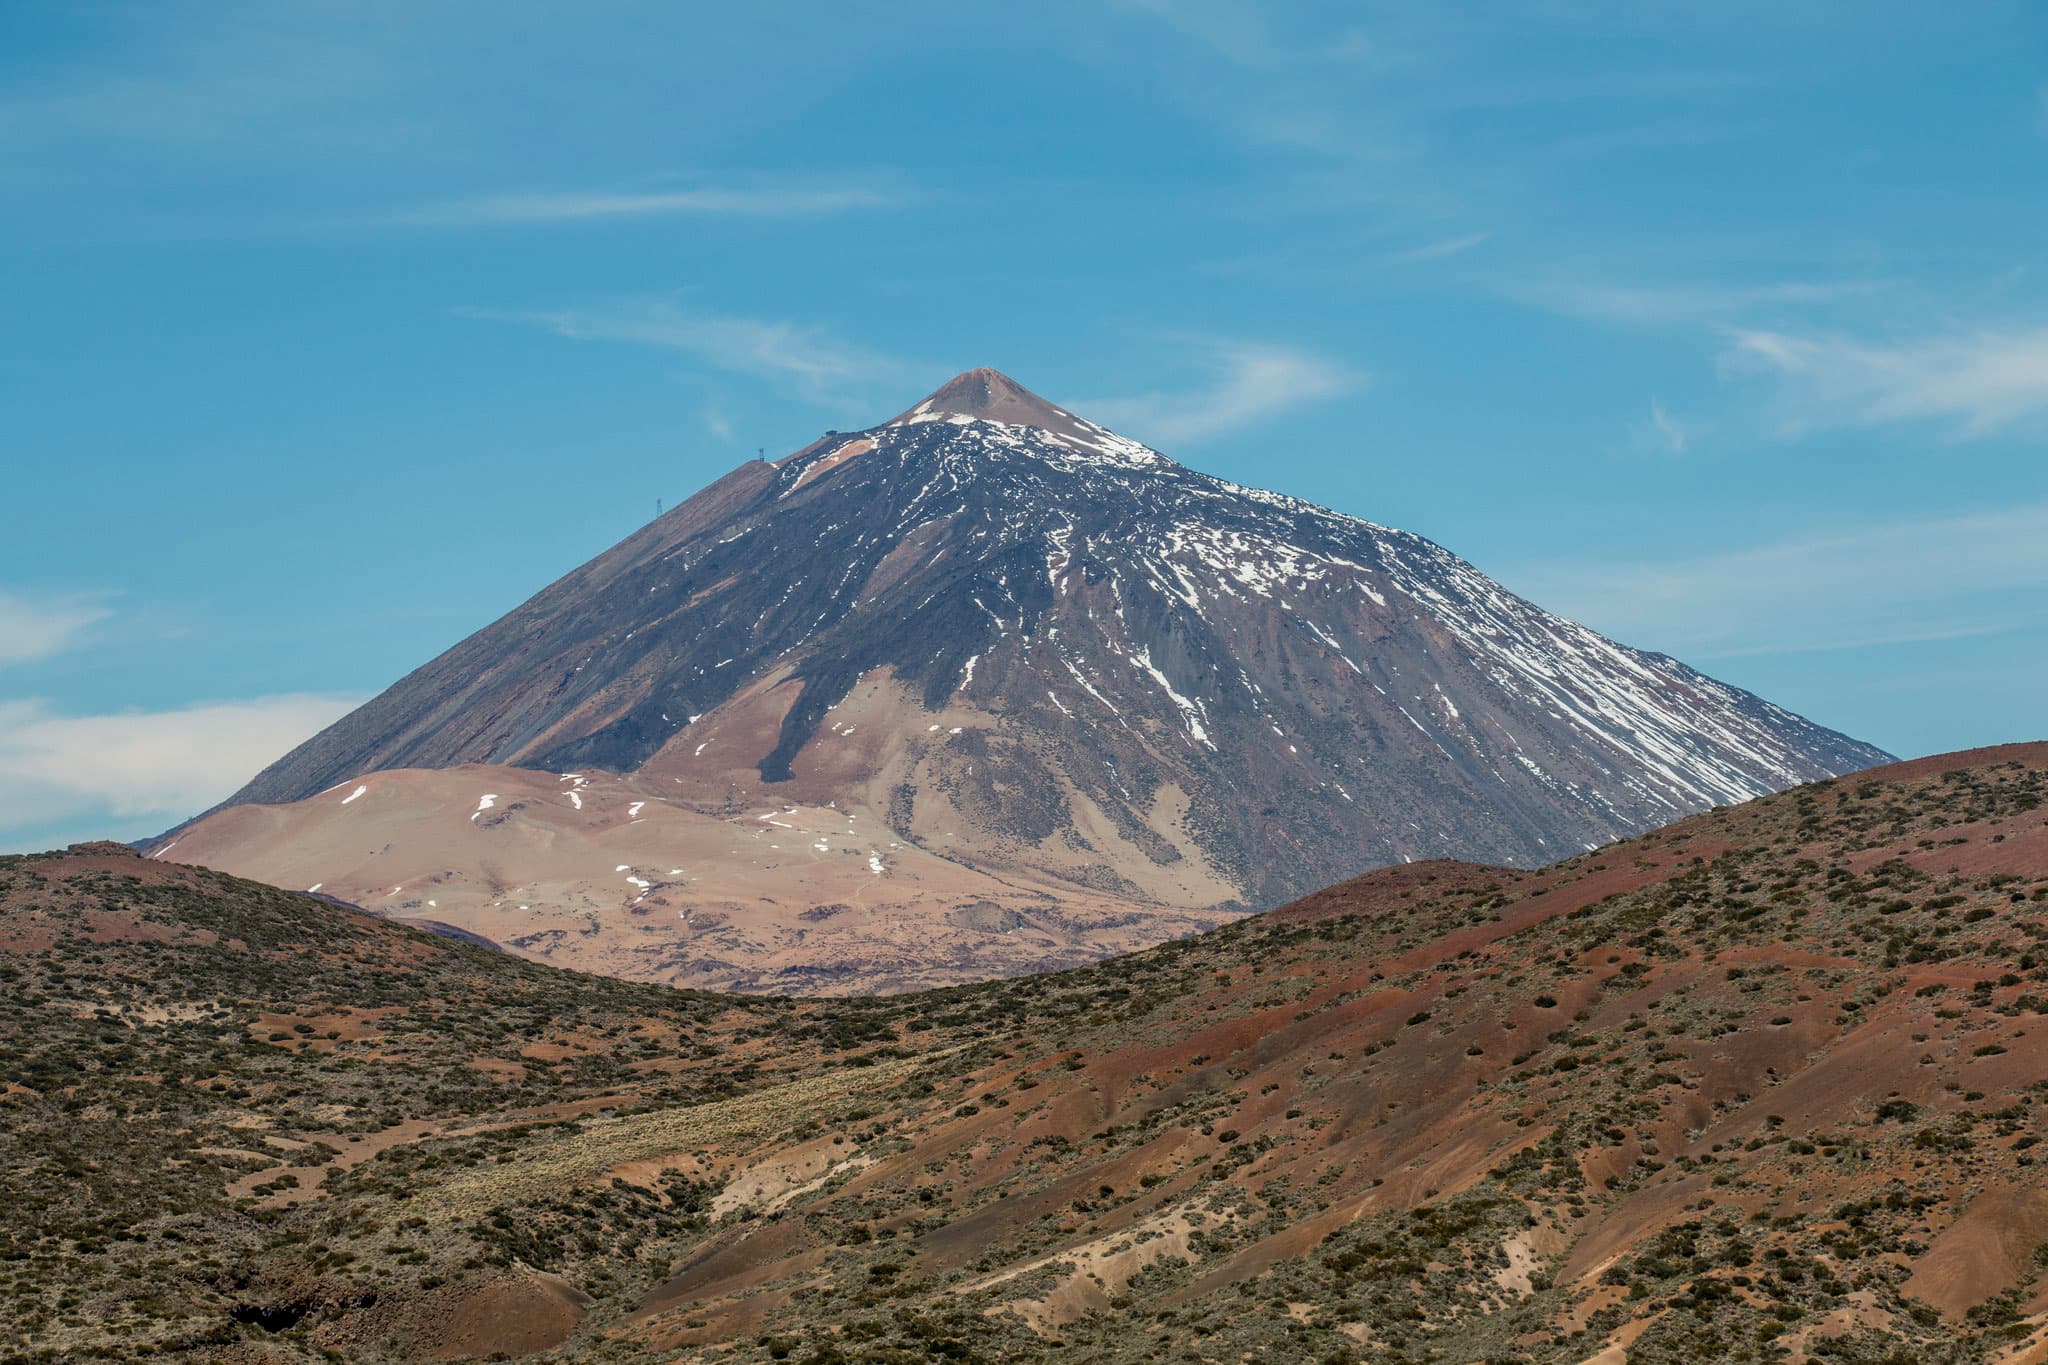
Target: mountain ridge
x: 1070, y: 657
x: 717, y: 503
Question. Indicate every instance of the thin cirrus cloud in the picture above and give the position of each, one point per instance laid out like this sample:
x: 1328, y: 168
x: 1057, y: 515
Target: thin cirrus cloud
x: 1438, y: 250
x: 1680, y: 305
x: 1248, y: 381
x: 1971, y: 574
x: 708, y: 201
x: 1666, y: 432
x: 32, y: 628
x: 1974, y: 382
x: 114, y: 770
x: 808, y: 361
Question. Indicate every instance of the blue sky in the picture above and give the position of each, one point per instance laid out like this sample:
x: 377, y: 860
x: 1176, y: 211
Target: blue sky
x: 332, y: 331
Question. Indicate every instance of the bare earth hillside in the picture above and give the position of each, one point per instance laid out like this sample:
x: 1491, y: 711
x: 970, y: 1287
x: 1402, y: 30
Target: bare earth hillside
x: 1759, y: 1086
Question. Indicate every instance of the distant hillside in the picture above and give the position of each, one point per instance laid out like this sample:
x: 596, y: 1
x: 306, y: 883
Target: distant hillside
x: 1760, y: 1086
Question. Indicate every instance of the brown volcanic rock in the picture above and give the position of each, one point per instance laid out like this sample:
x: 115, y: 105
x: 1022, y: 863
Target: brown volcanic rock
x: 1370, y: 893
x: 1009, y: 639
x: 190, y: 1063
x: 990, y: 395
x: 1693, y: 1092
x: 1760, y: 1082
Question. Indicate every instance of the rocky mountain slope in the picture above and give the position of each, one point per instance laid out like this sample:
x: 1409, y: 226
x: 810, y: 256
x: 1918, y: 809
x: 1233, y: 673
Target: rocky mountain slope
x: 1755, y: 1087
x: 1007, y: 639
x: 736, y: 889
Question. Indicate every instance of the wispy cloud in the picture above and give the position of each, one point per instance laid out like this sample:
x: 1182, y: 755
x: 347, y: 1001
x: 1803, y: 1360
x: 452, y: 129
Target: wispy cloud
x: 1248, y: 381
x: 165, y: 765
x: 32, y: 629
x: 1976, y: 382
x: 1667, y: 431
x: 1236, y: 32
x: 1667, y: 305
x: 321, y: 116
x: 707, y: 201
x: 1942, y: 578
x: 716, y: 422
x: 807, y: 360
x: 1436, y: 251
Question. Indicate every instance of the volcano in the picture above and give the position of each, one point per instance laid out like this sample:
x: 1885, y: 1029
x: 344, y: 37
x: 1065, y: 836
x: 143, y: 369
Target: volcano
x: 987, y: 688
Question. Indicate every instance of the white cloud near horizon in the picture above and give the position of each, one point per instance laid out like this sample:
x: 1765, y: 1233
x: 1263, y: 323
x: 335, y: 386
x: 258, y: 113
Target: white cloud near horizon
x: 1248, y: 381
x: 1952, y: 577
x: 1977, y: 382
x: 706, y: 201
x: 32, y: 629
x: 57, y: 768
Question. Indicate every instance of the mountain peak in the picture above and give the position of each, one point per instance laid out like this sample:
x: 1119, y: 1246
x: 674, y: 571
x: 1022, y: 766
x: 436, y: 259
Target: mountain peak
x: 995, y: 663
x: 990, y: 395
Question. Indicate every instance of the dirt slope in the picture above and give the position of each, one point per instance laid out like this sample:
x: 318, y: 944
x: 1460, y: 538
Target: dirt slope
x: 1759, y: 1086
x: 717, y: 884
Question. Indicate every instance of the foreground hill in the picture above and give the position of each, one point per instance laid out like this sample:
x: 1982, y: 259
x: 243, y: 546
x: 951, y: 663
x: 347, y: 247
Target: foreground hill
x: 982, y: 689
x: 1763, y: 1085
